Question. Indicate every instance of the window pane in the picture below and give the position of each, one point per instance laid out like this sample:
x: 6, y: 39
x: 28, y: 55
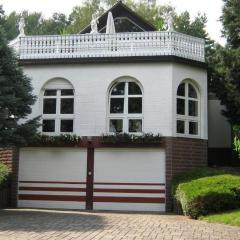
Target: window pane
x: 192, y: 108
x: 180, y: 106
x: 49, y: 106
x: 134, y: 105
x: 67, y: 105
x: 191, y: 91
x: 116, y: 125
x: 193, y: 128
x: 135, y: 125
x: 116, y: 105
x: 66, y: 125
x: 67, y: 92
x: 48, y: 126
x: 134, y: 89
x: 118, y: 89
x: 50, y: 92
x: 180, y: 126
x: 181, y: 90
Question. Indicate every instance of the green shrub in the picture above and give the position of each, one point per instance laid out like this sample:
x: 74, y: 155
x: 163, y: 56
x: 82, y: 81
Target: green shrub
x: 205, y: 191
x: 193, y: 174
x: 4, y: 176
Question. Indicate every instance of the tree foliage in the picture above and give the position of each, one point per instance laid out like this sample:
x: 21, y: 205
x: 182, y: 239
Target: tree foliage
x: 15, y: 100
x: 231, y: 22
x: 225, y: 63
x: 81, y: 16
x: 225, y: 67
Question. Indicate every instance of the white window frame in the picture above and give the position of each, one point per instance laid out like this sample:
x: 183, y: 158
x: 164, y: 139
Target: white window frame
x: 125, y: 116
x: 58, y: 116
x: 186, y: 117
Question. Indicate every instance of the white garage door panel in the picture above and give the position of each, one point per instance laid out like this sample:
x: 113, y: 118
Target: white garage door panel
x: 51, y: 204
x: 52, y: 178
x: 53, y: 164
x: 129, y: 179
x: 130, y: 207
x: 130, y: 165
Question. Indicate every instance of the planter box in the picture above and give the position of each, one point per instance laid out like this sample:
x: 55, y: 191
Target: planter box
x: 4, y: 198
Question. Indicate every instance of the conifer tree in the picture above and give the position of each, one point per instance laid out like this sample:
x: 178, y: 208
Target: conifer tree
x: 16, y: 99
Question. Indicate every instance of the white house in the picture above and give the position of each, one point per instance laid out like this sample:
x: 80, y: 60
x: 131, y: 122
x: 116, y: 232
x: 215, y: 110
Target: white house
x: 137, y: 80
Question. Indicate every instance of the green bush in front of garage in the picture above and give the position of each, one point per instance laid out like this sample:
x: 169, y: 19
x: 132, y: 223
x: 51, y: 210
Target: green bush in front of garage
x: 4, y: 176
x: 204, y: 191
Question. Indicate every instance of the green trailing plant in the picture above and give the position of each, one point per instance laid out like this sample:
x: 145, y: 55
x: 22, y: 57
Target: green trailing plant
x: 146, y: 138
x: 57, y: 141
x: 236, y: 139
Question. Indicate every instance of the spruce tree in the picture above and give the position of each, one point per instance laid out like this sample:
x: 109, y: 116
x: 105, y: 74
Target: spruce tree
x: 16, y: 99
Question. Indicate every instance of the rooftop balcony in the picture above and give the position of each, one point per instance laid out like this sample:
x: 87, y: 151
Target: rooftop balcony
x: 130, y: 44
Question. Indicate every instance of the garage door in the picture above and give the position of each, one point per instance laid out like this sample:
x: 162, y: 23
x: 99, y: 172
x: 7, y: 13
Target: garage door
x: 52, y: 178
x: 129, y: 179
x: 99, y: 179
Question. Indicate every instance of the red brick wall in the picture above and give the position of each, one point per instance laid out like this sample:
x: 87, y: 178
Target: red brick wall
x: 6, y: 155
x: 10, y: 157
x: 182, y: 154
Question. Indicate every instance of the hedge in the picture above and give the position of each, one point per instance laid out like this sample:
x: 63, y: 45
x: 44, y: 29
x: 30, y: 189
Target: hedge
x: 205, y: 191
x: 4, y: 176
x: 194, y: 174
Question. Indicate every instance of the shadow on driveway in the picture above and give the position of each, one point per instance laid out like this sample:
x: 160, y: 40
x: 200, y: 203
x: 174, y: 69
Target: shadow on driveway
x: 49, y: 220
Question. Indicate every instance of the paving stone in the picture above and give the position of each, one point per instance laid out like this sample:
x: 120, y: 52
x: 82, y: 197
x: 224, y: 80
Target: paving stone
x: 33, y: 224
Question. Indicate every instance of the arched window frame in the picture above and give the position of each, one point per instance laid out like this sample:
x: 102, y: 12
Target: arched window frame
x: 62, y: 119
x: 125, y: 117
x: 191, y: 122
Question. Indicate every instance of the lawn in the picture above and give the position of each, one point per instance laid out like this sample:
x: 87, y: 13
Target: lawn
x: 232, y: 218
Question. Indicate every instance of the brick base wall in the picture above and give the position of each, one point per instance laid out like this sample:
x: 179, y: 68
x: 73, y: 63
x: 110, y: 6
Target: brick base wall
x: 6, y: 155
x: 10, y: 157
x: 182, y: 154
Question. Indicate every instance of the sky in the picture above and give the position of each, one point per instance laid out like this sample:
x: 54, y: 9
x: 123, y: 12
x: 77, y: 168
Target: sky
x: 212, y: 8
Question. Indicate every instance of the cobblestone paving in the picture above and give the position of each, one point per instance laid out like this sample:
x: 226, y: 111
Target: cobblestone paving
x: 72, y: 225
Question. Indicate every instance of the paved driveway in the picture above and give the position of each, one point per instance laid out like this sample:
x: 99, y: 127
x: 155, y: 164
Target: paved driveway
x: 43, y: 224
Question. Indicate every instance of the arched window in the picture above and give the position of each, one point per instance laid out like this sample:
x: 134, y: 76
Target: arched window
x: 58, y: 107
x: 125, y: 108
x: 188, y: 114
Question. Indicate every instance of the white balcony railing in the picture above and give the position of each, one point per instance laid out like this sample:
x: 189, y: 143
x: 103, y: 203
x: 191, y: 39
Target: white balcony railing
x: 111, y: 45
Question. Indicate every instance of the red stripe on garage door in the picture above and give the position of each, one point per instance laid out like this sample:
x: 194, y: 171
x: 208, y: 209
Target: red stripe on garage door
x: 56, y: 189
x: 52, y: 197
x: 129, y: 199
x: 129, y: 190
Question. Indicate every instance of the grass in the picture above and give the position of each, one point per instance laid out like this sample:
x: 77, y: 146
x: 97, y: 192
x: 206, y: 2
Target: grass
x: 231, y: 218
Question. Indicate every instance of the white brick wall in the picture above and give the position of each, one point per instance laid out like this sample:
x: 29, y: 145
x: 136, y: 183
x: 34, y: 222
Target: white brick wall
x: 92, y: 81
